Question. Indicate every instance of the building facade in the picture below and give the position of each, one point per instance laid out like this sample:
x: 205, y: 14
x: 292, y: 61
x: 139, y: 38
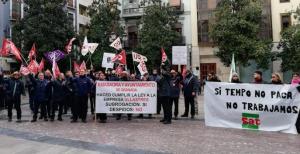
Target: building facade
x: 13, y: 10
x: 282, y: 17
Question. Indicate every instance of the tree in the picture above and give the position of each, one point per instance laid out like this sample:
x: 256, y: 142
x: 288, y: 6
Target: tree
x: 104, y: 22
x: 236, y: 30
x: 45, y: 23
x: 290, y: 43
x: 157, y: 31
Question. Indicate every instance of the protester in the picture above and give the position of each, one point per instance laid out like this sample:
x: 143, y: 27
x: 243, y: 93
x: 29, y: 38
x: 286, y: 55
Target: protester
x: 48, y: 78
x: 276, y: 79
x: 102, y: 116
x: 113, y: 76
x: 3, y: 89
x: 123, y: 77
x: 93, y: 77
x: 30, y: 89
x: 257, y: 78
x: 41, y: 97
x: 145, y: 77
x: 155, y: 77
x: 14, y: 90
x: 235, y: 78
x: 175, y: 91
x: 58, y: 97
x: 69, y: 92
x: 83, y: 87
x: 164, y: 93
x: 189, y: 92
x: 212, y: 77
x: 295, y: 79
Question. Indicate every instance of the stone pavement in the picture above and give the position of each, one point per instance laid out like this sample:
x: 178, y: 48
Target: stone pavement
x: 137, y: 136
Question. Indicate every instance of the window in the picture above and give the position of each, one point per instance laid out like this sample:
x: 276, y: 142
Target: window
x: 83, y: 29
x: 71, y: 3
x: 285, y: 21
x: 203, y: 29
x: 83, y: 10
x: 16, y: 10
x: 71, y: 18
x: 284, y: 1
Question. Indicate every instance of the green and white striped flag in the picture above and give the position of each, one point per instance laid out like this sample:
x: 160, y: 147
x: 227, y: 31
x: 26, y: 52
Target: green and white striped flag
x: 232, y: 67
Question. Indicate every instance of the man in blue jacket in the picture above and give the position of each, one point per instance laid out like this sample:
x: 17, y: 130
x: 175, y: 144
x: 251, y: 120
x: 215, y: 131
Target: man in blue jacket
x: 41, y: 97
x: 175, y: 91
x: 164, y: 93
x: 83, y: 87
x: 15, y: 89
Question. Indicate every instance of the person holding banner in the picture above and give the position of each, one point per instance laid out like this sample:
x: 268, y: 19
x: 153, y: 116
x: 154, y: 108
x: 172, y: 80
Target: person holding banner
x: 102, y: 116
x: 235, y: 78
x: 123, y: 77
x: 83, y: 87
x: 189, y: 92
x: 41, y: 91
x: 257, y: 77
x: 155, y: 77
x: 276, y: 79
x: 14, y: 90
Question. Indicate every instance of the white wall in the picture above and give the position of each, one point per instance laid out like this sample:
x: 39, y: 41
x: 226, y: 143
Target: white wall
x: 277, y: 9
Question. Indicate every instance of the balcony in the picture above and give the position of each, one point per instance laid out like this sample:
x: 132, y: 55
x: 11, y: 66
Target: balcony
x: 132, y: 12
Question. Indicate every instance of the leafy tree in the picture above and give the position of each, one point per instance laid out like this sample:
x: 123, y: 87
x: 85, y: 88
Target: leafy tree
x: 236, y: 30
x: 104, y: 21
x: 290, y: 43
x: 157, y: 31
x: 45, y: 23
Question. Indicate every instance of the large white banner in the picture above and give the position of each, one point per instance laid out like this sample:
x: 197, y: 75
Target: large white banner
x: 126, y: 97
x: 265, y: 107
x: 179, y: 55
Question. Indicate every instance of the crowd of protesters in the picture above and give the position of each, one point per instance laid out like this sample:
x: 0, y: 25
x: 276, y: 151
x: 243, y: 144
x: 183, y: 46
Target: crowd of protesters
x: 72, y: 93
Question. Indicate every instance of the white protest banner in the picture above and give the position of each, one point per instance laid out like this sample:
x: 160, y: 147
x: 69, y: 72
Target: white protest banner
x: 85, y: 47
x: 264, y: 107
x: 126, y: 97
x: 107, y: 60
x: 142, y: 68
x: 117, y: 44
x: 138, y: 57
x: 179, y: 55
x: 92, y: 47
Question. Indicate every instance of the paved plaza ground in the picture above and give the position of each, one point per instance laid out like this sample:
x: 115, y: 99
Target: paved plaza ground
x: 137, y: 136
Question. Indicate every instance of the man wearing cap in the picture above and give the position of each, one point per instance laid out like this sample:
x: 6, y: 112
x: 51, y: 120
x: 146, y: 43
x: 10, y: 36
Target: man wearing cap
x: 14, y: 91
x: 155, y: 77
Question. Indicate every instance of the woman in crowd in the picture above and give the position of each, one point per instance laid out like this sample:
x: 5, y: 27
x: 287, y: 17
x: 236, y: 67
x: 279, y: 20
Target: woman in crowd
x: 235, y: 78
x: 276, y: 79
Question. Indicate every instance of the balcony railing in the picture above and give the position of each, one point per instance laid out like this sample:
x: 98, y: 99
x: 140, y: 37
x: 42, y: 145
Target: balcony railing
x: 133, y: 12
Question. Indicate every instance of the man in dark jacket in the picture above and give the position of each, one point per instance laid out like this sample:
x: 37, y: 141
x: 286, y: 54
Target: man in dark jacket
x: 69, y: 91
x: 189, y: 91
x: 41, y: 90
x: 58, y: 97
x: 102, y: 116
x: 48, y: 78
x: 164, y: 93
x: 83, y: 88
x: 30, y: 93
x: 14, y: 91
x: 3, y: 88
x: 175, y: 91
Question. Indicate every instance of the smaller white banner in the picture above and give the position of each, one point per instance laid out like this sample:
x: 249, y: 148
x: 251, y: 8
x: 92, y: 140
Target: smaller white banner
x: 117, y: 44
x: 126, y: 97
x: 107, y: 60
x: 179, y: 55
x: 142, y: 68
x: 138, y: 57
